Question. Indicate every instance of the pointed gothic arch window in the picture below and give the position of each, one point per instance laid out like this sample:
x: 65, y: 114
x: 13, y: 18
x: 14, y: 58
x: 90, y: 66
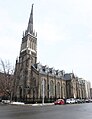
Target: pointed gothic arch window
x: 58, y: 90
x: 30, y: 43
x: 34, y: 82
x: 51, y: 88
x: 43, y: 86
x: 68, y: 90
x: 20, y: 92
x: 64, y: 86
x: 33, y: 44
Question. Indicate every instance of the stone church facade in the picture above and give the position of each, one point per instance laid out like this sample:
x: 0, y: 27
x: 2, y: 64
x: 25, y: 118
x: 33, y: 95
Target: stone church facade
x: 33, y: 80
x: 31, y: 75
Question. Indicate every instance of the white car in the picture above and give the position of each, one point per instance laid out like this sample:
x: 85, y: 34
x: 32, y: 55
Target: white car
x: 5, y: 101
x: 70, y: 101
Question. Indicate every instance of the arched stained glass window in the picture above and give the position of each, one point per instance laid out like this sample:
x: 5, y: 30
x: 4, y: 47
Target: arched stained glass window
x: 58, y: 89
x: 51, y: 88
x: 43, y: 86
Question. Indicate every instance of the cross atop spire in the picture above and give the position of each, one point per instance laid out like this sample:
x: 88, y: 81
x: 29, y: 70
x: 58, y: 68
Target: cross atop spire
x: 30, y: 23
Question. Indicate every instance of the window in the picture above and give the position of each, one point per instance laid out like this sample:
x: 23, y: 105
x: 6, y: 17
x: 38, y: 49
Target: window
x: 58, y: 89
x: 51, y: 88
x: 43, y: 81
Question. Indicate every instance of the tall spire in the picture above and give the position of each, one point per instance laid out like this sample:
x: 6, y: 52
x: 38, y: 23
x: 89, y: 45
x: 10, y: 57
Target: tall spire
x: 30, y: 23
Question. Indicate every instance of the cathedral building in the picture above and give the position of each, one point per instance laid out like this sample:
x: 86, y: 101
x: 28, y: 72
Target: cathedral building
x: 31, y: 76
x: 35, y: 81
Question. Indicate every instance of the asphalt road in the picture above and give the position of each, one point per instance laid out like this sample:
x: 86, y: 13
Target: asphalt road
x: 73, y: 111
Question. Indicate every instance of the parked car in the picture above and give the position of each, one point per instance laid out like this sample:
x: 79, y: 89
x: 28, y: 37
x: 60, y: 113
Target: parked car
x: 5, y: 101
x: 70, y: 101
x: 0, y: 99
x: 90, y: 100
x: 59, y: 102
x: 87, y: 101
x: 83, y: 100
x: 79, y: 101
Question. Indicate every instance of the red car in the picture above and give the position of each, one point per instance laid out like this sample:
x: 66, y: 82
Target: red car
x: 59, y: 102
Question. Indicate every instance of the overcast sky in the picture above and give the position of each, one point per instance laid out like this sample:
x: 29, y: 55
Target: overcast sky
x: 64, y: 30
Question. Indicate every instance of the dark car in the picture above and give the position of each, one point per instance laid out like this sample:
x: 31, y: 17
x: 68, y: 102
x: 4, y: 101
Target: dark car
x: 79, y: 100
x: 59, y: 102
x: 0, y: 99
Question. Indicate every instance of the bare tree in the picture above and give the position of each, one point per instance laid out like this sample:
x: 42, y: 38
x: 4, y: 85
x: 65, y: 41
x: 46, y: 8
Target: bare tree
x: 6, y: 78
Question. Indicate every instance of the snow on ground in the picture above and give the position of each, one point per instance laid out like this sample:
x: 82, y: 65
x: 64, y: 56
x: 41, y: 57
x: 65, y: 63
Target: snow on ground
x: 17, y: 103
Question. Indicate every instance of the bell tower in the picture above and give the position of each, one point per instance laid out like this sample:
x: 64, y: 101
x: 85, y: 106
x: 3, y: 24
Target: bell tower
x: 27, y: 57
x: 29, y: 42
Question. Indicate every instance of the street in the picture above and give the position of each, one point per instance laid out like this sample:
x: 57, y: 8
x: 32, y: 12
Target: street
x: 73, y: 111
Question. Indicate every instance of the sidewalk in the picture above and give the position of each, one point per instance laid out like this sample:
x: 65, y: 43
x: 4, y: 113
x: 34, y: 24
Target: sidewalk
x: 36, y: 104
x: 43, y: 104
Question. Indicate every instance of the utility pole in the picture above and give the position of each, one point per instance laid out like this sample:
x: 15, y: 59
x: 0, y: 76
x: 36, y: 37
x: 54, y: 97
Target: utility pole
x: 43, y: 92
